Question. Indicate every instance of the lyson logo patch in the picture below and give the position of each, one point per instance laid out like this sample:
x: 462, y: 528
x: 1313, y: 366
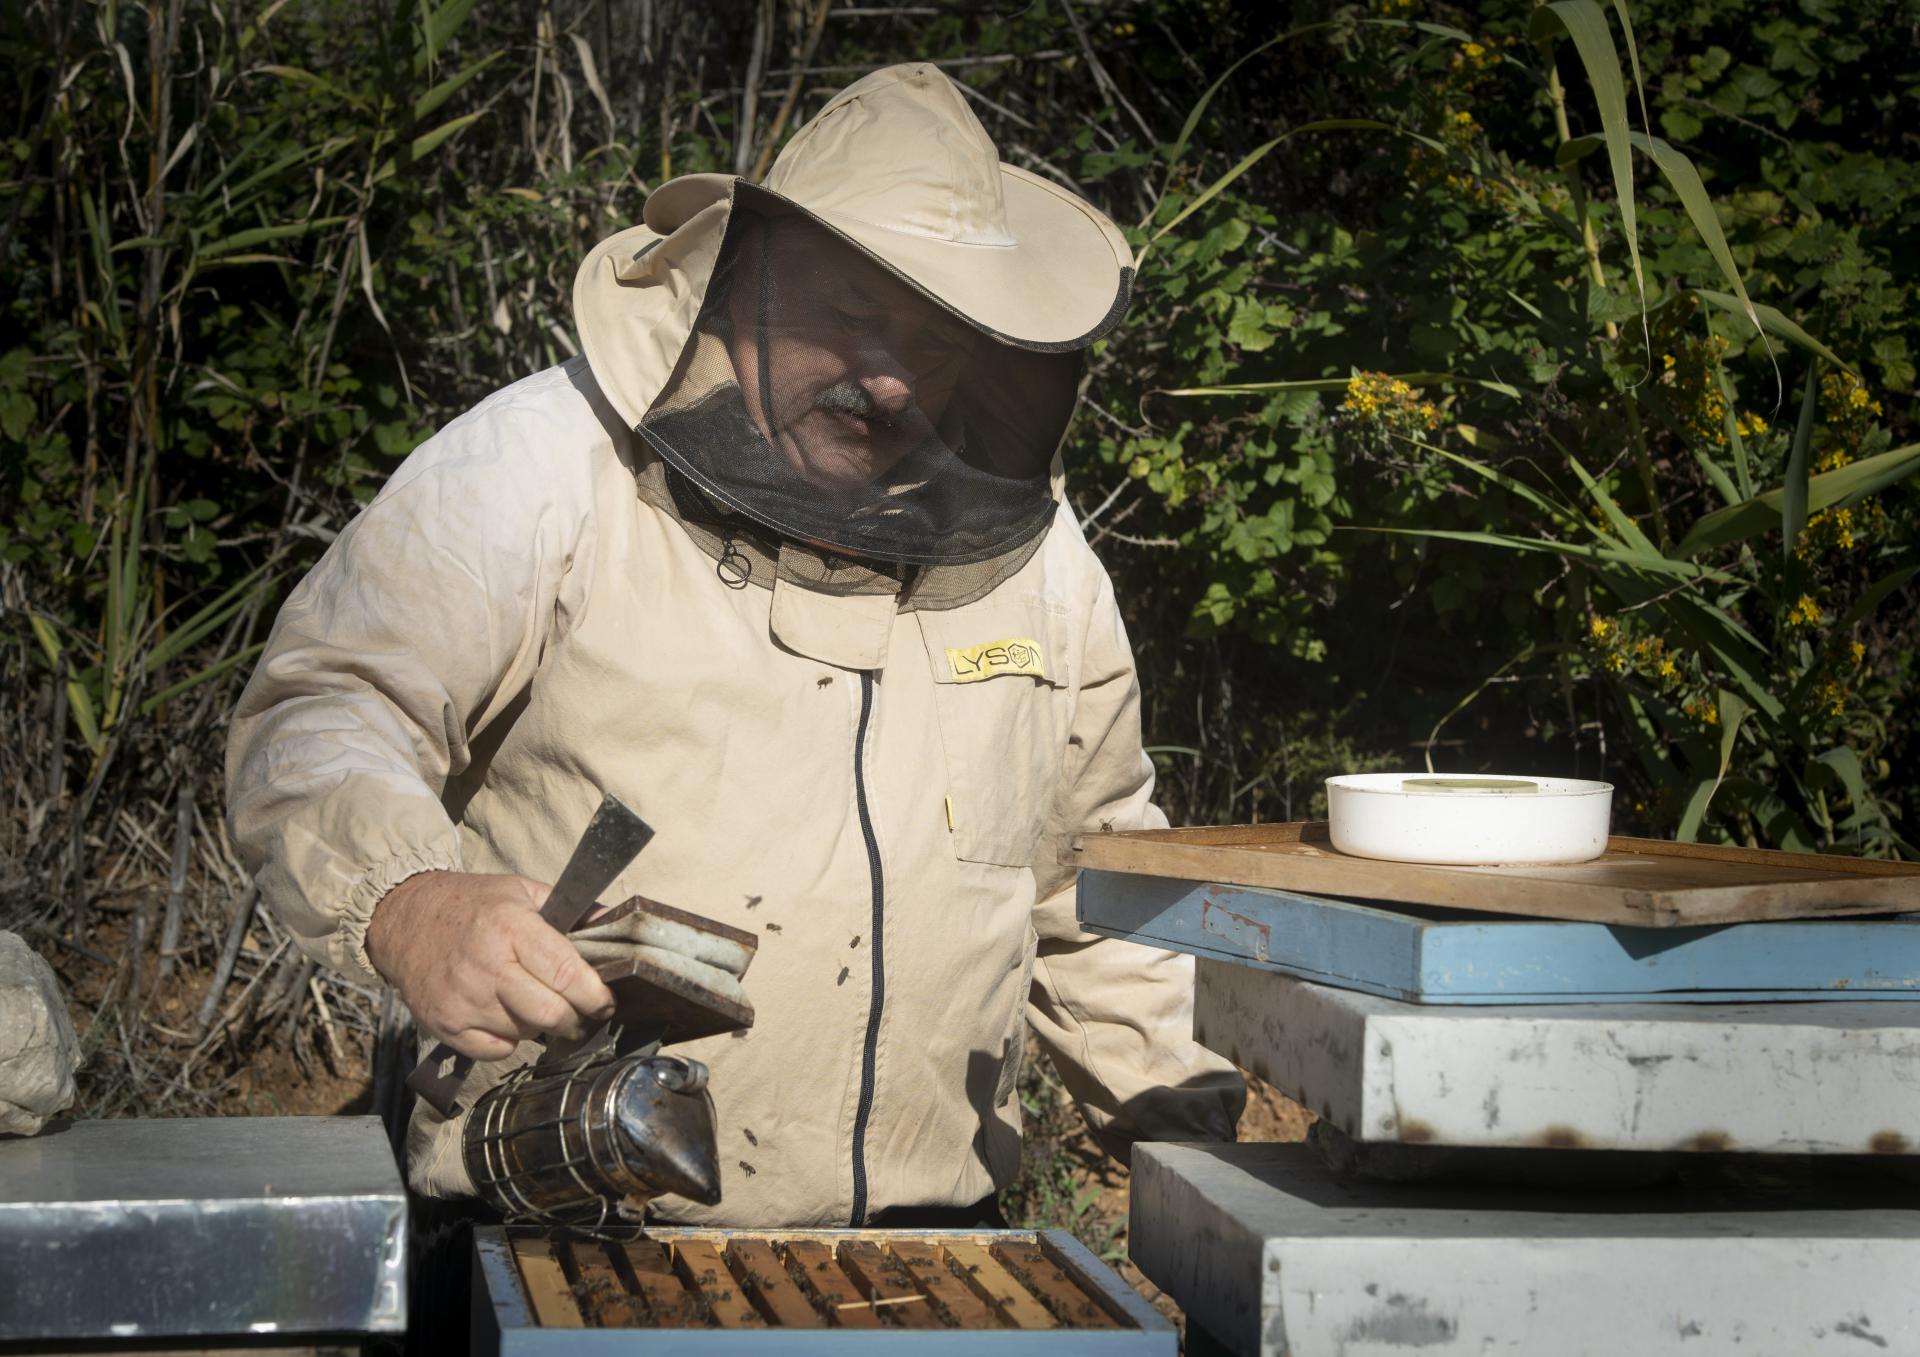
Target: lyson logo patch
x: 1020, y: 655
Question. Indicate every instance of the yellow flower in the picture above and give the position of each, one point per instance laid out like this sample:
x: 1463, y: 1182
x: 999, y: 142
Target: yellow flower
x: 1706, y: 713
x: 1849, y: 407
x: 1858, y: 652
x: 1749, y: 425
x: 1474, y: 50
x: 1832, y: 696
x: 1828, y: 530
x: 1667, y: 670
x: 1602, y: 628
x: 1805, y: 613
x: 1376, y: 398
x: 1616, y: 662
x: 1688, y: 372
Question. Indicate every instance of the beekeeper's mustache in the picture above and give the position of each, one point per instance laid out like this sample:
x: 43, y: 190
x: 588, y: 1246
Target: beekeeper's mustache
x: 848, y: 397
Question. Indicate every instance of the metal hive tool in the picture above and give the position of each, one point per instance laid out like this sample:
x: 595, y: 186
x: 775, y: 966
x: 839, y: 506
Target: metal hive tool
x: 613, y: 838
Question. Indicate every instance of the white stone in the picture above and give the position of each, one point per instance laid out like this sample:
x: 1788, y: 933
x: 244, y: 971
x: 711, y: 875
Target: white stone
x: 1272, y: 1255
x: 38, y: 1050
x: 1826, y: 1078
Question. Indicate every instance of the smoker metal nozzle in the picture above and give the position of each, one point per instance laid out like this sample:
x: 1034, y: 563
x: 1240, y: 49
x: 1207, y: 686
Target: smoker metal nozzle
x: 665, y: 1118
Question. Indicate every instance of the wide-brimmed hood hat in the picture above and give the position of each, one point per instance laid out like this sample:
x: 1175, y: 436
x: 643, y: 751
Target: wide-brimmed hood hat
x: 897, y: 164
x: 894, y: 182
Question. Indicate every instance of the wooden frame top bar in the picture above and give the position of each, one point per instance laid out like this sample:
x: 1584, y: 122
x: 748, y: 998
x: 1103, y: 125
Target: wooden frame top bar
x: 801, y: 1291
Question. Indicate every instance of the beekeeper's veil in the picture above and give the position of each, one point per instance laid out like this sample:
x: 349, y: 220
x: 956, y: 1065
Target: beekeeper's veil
x: 876, y: 353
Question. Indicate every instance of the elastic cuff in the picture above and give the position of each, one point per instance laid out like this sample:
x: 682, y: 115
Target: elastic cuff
x: 347, y: 947
x: 436, y: 1167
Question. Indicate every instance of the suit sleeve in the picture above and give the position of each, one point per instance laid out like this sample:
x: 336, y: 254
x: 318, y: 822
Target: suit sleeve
x: 418, y: 626
x: 1117, y: 1017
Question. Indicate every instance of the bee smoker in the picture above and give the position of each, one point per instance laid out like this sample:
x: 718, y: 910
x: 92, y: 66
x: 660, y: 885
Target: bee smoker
x: 588, y: 1142
x: 596, y: 1128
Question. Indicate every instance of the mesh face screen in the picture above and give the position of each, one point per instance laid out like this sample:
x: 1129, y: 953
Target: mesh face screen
x: 824, y: 397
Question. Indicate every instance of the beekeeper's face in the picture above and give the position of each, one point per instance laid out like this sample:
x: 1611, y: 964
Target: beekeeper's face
x: 844, y: 368
x: 834, y: 403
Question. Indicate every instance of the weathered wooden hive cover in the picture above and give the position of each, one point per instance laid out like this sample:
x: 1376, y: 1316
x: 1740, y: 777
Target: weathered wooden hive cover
x: 800, y: 1290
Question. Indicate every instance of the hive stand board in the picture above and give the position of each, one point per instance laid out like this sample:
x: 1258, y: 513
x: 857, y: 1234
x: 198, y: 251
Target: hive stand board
x: 1432, y: 956
x: 1272, y: 1255
x: 1016, y: 1292
x: 1649, y: 883
x: 1829, y: 1078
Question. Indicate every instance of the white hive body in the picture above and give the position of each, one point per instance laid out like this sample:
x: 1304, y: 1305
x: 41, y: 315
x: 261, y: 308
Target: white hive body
x: 1827, y: 1078
x: 1272, y: 1255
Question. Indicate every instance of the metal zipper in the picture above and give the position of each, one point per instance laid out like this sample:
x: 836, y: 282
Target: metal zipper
x: 870, y: 1049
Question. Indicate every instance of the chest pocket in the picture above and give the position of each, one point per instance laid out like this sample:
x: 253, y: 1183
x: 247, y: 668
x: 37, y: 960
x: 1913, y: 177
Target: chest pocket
x: 1000, y: 692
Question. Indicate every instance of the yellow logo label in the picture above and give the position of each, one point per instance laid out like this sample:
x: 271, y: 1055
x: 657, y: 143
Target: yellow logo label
x: 1017, y: 656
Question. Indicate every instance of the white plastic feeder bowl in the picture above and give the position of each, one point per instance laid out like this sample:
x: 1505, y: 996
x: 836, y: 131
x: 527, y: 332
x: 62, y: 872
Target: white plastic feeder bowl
x: 1469, y: 821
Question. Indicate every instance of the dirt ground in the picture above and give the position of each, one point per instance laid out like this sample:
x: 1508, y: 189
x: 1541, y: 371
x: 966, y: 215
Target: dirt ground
x: 151, y: 1063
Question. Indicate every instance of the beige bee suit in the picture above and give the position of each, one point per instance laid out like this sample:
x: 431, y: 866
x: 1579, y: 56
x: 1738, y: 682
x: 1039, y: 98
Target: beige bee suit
x: 509, y: 630
x: 521, y: 622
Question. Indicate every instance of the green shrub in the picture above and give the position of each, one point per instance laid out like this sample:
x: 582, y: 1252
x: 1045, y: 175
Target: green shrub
x: 1396, y: 422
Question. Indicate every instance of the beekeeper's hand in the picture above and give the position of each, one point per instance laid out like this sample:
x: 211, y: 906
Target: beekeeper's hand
x: 706, y: 960
x: 479, y: 967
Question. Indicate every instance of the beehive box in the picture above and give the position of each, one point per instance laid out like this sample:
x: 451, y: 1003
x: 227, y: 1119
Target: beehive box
x: 1826, y: 1078
x: 1273, y: 1256
x: 190, y: 1233
x: 804, y: 1291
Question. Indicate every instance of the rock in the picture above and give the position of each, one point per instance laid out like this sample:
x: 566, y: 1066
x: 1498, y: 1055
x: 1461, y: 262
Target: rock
x: 38, y: 1050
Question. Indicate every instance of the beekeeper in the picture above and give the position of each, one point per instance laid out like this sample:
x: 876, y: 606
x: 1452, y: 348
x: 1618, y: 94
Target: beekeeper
x: 778, y: 562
